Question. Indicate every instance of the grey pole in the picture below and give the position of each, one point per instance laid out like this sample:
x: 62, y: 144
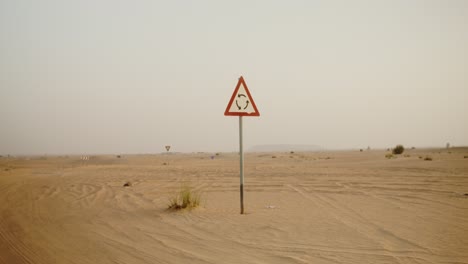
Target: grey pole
x: 241, y: 153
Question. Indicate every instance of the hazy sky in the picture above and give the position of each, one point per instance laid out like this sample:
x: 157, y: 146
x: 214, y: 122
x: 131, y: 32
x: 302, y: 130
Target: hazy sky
x: 109, y: 76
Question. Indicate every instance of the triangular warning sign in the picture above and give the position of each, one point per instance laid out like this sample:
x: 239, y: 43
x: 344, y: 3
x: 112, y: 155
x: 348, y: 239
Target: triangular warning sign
x: 241, y: 103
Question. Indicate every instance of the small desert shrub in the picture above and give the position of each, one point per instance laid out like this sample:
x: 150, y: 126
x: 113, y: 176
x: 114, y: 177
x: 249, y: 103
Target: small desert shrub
x: 428, y: 158
x: 273, y: 157
x: 407, y: 156
x: 389, y: 155
x: 292, y: 152
x: 398, y: 150
x: 360, y: 150
x: 185, y: 198
x: 465, y: 157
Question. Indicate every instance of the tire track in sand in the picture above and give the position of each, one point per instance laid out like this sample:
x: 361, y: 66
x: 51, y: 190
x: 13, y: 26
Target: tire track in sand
x: 12, y: 249
x: 14, y: 245
x: 392, y: 244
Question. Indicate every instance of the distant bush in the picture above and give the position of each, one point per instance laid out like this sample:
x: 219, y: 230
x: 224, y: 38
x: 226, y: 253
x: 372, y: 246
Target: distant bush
x: 185, y: 198
x: 465, y: 157
x: 398, y: 150
x: 273, y: 157
x: 389, y: 156
x: 428, y: 158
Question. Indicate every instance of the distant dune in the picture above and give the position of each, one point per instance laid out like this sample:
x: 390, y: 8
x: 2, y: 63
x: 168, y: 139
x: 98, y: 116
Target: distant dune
x: 284, y: 147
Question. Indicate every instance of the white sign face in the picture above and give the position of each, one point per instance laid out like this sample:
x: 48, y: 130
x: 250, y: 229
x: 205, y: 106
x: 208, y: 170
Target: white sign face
x: 241, y: 103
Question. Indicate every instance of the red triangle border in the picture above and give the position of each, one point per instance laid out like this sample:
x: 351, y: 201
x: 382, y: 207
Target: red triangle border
x: 255, y: 113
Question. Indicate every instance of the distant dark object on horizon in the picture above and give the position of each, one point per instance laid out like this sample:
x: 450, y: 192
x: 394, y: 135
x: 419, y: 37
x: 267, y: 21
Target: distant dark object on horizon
x: 127, y: 184
x: 285, y: 148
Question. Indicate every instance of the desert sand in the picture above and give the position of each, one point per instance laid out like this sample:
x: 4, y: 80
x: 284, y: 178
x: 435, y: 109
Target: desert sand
x: 324, y: 207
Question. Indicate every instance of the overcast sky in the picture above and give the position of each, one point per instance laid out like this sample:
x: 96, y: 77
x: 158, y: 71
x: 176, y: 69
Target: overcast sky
x: 111, y: 76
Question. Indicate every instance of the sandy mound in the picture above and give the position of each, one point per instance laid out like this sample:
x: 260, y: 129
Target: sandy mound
x: 337, y: 207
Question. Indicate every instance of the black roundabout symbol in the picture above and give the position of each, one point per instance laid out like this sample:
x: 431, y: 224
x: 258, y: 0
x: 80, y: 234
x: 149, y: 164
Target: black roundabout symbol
x: 239, y: 96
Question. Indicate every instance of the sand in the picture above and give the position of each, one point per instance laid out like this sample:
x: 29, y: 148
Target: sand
x: 327, y: 207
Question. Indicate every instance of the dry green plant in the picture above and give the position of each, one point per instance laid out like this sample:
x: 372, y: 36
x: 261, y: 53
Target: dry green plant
x: 186, y: 198
x: 398, y: 149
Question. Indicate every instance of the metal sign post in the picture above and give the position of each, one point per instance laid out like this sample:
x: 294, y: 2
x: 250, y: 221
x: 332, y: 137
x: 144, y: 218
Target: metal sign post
x: 167, y: 155
x: 241, y: 154
x: 241, y: 104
